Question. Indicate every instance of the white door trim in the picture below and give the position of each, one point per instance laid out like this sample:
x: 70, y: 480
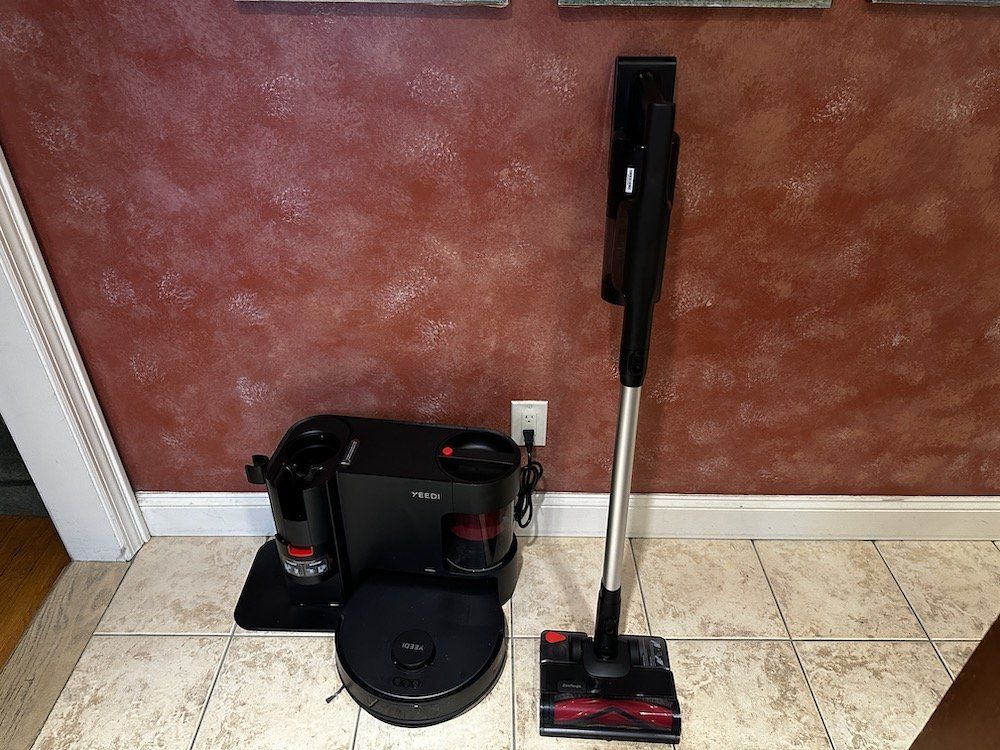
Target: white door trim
x: 49, y: 404
x: 652, y: 515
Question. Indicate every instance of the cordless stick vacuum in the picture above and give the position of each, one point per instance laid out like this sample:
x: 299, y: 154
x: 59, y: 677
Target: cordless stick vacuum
x: 611, y: 686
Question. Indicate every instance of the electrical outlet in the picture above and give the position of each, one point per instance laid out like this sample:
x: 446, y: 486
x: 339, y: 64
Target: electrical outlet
x: 529, y: 415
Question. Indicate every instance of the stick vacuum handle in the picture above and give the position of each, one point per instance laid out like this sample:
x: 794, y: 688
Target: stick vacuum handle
x: 648, y: 221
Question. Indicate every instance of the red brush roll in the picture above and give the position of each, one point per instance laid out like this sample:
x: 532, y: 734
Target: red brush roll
x: 608, y: 712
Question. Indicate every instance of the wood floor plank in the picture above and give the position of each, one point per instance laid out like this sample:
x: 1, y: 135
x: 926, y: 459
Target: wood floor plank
x: 967, y: 715
x: 31, y: 558
x: 34, y: 676
x: 6, y: 527
x: 13, y: 531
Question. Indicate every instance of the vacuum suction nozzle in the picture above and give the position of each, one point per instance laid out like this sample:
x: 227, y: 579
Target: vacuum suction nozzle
x: 631, y: 698
x: 628, y: 713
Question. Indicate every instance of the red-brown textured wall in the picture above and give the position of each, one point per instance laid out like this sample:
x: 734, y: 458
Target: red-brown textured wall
x: 253, y: 214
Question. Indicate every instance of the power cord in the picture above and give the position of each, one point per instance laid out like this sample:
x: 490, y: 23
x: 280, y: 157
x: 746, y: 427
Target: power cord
x: 531, y: 473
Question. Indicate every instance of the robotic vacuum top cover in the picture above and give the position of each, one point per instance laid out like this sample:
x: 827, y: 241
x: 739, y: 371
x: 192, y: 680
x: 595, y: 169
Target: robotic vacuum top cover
x: 415, y: 650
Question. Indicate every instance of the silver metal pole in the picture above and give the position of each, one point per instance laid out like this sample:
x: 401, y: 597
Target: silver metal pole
x: 621, y: 486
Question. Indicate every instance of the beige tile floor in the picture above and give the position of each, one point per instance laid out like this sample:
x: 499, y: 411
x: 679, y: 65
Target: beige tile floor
x: 791, y: 644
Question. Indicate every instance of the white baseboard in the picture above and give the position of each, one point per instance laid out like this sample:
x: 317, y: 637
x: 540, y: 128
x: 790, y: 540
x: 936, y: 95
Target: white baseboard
x: 653, y: 515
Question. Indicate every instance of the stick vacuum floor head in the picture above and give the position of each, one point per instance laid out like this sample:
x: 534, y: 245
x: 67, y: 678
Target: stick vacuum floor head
x: 631, y: 698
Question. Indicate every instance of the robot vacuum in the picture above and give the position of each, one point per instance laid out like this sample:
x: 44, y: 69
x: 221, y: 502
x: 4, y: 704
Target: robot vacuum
x: 417, y: 652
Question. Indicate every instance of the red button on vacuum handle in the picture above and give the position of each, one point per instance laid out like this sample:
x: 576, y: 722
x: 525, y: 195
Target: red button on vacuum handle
x: 300, y: 551
x: 552, y: 636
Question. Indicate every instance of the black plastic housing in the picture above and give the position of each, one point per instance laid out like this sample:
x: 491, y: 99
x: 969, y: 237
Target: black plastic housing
x: 642, y: 173
x: 609, y: 607
x: 463, y: 632
x: 300, y: 482
x: 378, y: 495
x: 638, y: 679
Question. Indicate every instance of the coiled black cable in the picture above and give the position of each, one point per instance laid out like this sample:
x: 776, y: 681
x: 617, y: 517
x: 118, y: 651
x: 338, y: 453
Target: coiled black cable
x: 531, y: 473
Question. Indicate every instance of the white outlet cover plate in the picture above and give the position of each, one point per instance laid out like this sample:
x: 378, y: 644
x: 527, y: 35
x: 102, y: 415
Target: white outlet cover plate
x: 518, y: 411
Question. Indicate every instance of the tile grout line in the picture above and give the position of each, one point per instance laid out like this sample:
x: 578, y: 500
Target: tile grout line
x: 513, y: 676
x: 128, y: 564
x: 513, y: 697
x: 175, y: 634
x: 795, y: 650
x: 773, y: 639
x: 638, y: 581
x: 745, y: 638
x: 812, y: 693
x: 513, y: 630
x: 952, y: 639
x: 920, y: 622
x: 282, y: 634
x: 211, y: 688
x: 862, y: 641
x: 767, y: 580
